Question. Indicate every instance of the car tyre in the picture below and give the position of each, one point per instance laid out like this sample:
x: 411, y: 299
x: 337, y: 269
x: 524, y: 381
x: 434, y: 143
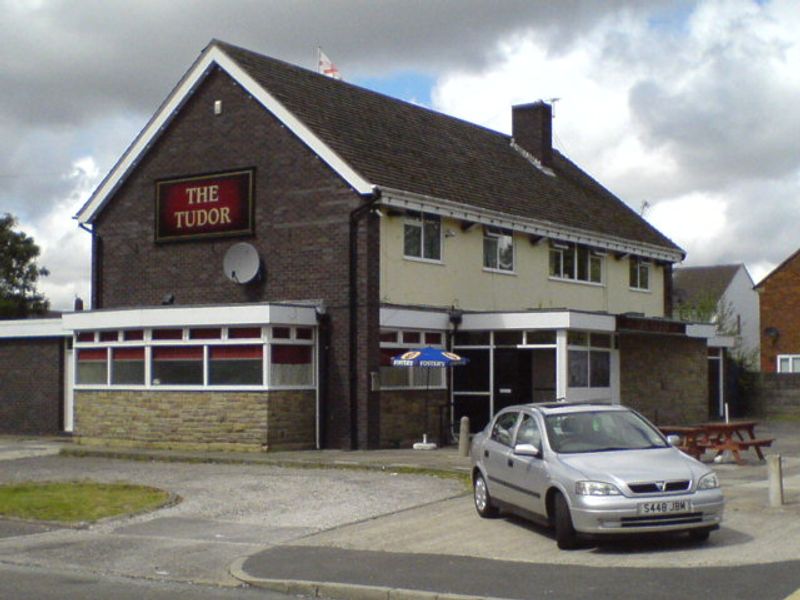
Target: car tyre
x: 566, y: 536
x: 483, y: 501
x: 699, y: 535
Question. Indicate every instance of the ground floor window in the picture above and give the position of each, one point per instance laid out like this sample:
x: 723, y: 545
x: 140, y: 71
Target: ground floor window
x: 197, y: 357
x: 789, y: 363
x: 589, y: 359
x: 395, y: 342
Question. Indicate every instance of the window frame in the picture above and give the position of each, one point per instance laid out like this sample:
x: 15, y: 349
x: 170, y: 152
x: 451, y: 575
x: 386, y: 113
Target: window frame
x: 298, y: 335
x: 399, y: 345
x: 637, y: 264
x: 594, y: 345
x: 573, y: 254
x: 792, y: 358
x: 419, y: 220
x: 495, y: 234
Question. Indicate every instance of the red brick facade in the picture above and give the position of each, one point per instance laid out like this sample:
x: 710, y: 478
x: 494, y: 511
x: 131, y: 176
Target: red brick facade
x: 302, y: 226
x: 779, y: 298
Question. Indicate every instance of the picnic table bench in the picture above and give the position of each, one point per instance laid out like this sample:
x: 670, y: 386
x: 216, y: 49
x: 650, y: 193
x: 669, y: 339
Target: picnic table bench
x: 719, y: 437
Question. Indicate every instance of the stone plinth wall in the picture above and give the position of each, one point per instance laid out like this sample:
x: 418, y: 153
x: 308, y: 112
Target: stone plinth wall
x: 773, y: 395
x: 664, y: 377
x: 208, y: 420
x: 403, y: 417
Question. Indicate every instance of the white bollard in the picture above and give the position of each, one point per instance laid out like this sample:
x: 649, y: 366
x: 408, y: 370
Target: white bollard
x: 463, y: 437
x: 775, y: 475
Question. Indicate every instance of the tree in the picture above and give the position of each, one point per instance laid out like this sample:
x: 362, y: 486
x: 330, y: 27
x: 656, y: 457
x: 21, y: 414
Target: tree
x: 19, y: 273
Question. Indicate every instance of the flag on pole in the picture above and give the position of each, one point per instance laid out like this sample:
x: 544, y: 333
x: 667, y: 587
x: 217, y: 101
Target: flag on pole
x: 326, y: 66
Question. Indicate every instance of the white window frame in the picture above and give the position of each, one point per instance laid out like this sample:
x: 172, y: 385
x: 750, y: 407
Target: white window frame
x: 589, y: 348
x: 496, y: 234
x: 561, y: 249
x: 418, y: 220
x: 400, y: 345
x: 791, y: 358
x: 640, y: 264
x: 265, y: 340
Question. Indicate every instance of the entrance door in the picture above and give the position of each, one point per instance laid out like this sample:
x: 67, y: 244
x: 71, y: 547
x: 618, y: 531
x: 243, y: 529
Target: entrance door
x: 512, y: 377
x: 544, y: 375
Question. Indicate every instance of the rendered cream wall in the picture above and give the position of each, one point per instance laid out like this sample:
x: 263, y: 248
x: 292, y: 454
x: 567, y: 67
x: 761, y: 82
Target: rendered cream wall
x: 460, y: 279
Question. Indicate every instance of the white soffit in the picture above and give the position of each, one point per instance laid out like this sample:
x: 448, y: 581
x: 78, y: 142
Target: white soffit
x: 213, y: 55
x: 405, y: 318
x: 722, y: 341
x: 701, y: 330
x: 32, y: 328
x: 446, y: 208
x: 538, y: 320
x: 258, y: 314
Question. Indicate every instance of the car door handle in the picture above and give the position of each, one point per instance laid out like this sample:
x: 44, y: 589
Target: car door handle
x: 511, y: 463
x: 486, y: 454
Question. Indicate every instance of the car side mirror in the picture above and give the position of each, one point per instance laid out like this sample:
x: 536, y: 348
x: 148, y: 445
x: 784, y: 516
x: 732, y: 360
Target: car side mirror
x: 674, y: 440
x: 526, y: 450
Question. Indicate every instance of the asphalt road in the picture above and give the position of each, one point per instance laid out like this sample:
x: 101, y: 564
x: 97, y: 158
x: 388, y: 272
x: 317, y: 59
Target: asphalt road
x: 524, y: 581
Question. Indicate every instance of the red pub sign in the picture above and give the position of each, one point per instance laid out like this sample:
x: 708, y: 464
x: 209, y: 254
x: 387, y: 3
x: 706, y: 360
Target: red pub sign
x: 205, y: 206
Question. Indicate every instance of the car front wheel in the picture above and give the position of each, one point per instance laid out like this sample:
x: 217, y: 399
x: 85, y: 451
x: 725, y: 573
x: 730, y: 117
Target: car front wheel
x: 483, y: 501
x: 699, y: 535
x: 566, y: 536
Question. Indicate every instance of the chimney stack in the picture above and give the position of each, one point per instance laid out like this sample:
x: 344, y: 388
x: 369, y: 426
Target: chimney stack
x: 532, y: 129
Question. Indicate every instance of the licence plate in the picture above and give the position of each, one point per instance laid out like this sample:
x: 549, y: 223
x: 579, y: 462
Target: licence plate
x: 665, y: 507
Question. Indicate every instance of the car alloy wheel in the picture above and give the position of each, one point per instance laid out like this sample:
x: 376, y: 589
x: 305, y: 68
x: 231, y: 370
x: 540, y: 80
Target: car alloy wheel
x: 483, y: 501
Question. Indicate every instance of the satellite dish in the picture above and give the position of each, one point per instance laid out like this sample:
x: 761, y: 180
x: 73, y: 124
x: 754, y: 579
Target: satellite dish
x: 241, y: 263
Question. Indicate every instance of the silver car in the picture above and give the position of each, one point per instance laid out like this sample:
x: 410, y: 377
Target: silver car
x: 591, y: 469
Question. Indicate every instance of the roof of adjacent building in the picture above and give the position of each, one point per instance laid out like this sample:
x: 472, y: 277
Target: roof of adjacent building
x: 785, y: 263
x: 691, y: 285
x: 399, y: 145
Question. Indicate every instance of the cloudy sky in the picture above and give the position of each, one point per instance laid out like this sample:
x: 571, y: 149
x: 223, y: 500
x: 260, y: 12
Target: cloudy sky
x: 689, y: 111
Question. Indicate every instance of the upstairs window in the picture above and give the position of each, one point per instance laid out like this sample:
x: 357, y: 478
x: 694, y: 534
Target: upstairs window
x: 498, y: 249
x: 422, y: 236
x: 639, y: 273
x: 576, y: 262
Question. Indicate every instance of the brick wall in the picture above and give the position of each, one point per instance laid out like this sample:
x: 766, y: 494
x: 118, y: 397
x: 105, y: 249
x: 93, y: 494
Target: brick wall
x: 665, y: 378
x: 402, y: 416
x: 773, y: 395
x: 32, y: 390
x: 779, y: 300
x: 211, y: 420
x: 302, y: 225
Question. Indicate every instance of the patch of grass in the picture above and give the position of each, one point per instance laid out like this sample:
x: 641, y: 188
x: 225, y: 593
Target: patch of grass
x: 77, y: 502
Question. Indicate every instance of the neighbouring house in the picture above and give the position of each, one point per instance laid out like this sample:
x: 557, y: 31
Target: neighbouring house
x: 274, y: 236
x: 779, y: 295
x: 725, y: 296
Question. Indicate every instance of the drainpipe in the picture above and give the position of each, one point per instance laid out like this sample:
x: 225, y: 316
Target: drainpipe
x: 97, y: 257
x: 355, y: 216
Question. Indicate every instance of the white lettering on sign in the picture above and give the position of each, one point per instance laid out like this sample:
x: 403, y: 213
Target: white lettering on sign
x: 201, y: 217
x: 202, y: 194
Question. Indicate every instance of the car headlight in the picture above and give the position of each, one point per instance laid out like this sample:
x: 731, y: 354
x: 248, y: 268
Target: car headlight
x: 709, y: 481
x: 595, y: 488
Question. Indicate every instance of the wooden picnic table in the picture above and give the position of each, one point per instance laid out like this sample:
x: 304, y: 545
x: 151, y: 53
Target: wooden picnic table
x: 719, y: 436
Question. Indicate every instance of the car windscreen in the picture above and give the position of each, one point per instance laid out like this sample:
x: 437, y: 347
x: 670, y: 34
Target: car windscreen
x: 601, y: 431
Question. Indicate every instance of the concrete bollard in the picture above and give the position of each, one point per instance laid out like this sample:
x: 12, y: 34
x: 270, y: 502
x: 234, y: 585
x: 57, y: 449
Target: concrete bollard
x: 463, y: 437
x: 775, y: 476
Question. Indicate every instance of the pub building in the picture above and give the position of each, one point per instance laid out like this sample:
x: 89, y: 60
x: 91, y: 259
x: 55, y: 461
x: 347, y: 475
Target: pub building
x: 273, y: 237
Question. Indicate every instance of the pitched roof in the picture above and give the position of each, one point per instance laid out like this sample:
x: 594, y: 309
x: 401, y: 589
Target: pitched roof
x: 402, y: 146
x: 691, y: 285
x: 786, y: 262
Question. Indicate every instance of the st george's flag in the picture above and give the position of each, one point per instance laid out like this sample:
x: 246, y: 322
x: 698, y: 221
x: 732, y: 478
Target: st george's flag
x: 326, y: 67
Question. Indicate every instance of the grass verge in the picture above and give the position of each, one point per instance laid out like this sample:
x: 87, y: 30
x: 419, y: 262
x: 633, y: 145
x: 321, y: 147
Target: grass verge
x: 77, y: 502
